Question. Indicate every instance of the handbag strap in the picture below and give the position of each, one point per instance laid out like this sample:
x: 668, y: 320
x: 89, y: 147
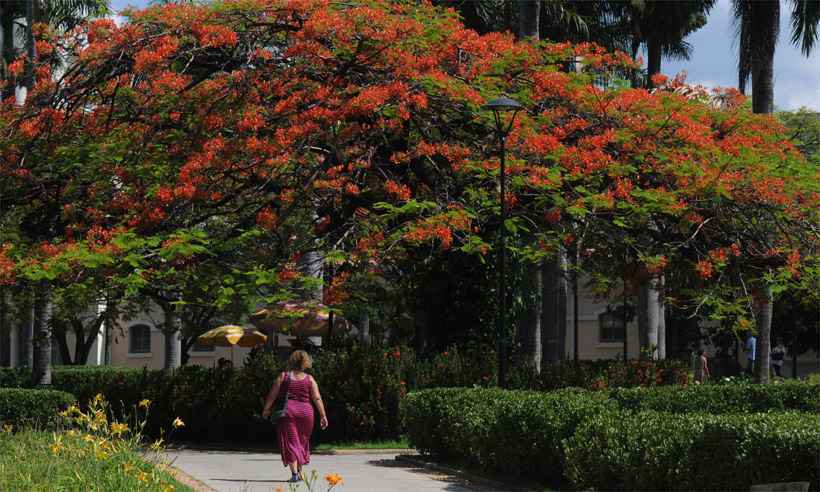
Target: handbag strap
x: 286, y: 383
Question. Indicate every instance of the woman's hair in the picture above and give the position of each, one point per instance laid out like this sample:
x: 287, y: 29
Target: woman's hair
x: 299, y: 360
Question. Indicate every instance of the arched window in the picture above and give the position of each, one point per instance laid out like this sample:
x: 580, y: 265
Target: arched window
x: 139, y: 339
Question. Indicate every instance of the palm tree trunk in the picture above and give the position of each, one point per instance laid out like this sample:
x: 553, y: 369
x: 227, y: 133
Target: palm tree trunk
x: 661, y: 318
x: 765, y: 29
x: 41, y: 343
x: 764, y: 334
x: 653, y: 54
x: 529, y: 15
x: 529, y: 327
x: 364, y: 328
x: 173, y: 338
x: 648, y: 314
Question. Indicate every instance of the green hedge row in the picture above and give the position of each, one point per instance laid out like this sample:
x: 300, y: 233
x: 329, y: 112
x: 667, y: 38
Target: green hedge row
x: 586, y: 440
x: 662, y: 451
x: 32, y: 407
x: 721, y: 399
x: 518, y: 432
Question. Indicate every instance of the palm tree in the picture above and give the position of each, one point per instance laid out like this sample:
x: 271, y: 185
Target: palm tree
x: 64, y: 14
x: 758, y: 28
x: 662, y: 27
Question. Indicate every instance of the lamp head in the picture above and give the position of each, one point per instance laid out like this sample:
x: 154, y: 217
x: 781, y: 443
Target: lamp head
x: 503, y: 104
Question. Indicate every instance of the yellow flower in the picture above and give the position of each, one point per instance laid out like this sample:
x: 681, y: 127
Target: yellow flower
x: 101, y: 455
x: 56, y: 447
x: 167, y: 488
x: 127, y: 467
x: 142, y: 477
x: 333, y: 479
x: 98, y: 399
x: 178, y: 423
x: 118, y: 429
x: 145, y: 403
x: 73, y: 433
x: 88, y: 438
x: 157, y: 445
x: 8, y: 428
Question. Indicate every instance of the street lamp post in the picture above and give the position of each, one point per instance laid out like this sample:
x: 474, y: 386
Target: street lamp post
x: 499, y: 106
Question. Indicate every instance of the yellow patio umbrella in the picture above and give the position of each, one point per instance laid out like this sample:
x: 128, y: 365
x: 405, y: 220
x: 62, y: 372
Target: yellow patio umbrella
x: 232, y: 335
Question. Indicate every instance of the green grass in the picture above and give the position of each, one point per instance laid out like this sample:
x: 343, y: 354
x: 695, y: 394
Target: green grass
x: 45, y: 461
x: 388, y: 444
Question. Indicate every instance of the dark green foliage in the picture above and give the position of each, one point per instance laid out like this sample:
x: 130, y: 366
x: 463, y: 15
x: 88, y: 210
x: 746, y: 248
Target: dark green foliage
x: 660, y: 451
x: 721, y: 399
x: 32, y: 407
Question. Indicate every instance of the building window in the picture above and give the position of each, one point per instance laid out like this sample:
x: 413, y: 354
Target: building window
x: 610, y: 327
x: 139, y: 339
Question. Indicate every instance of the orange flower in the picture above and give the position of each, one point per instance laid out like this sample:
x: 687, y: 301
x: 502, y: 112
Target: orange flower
x: 333, y: 479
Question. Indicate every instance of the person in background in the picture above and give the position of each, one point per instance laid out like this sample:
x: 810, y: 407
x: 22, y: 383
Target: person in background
x: 778, y: 356
x: 702, y: 367
x: 751, y: 352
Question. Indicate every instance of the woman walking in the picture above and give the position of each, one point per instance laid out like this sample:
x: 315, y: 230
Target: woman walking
x: 295, y: 427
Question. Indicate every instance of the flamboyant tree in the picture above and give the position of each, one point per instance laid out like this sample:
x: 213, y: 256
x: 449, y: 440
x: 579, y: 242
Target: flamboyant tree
x: 360, y: 125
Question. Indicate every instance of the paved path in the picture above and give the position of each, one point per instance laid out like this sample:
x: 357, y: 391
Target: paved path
x: 257, y: 472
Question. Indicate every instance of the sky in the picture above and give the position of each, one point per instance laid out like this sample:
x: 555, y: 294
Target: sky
x: 714, y: 59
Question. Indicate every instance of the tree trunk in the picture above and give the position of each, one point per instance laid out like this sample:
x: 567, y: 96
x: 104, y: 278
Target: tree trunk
x: 364, y: 328
x: 5, y: 329
x: 173, y: 340
x: 661, y: 318
x: 529, y: 326
x: 26, y: 328
x: 561, y: 298
x: 549, y: 307
x: 59, y: 332
x: 529, y: 15
x: 41, y: 343
x: 311, y: 266
x: 648, y: 311
x: 764, y: 332
x: 765, y: 25
x: 653, y: 54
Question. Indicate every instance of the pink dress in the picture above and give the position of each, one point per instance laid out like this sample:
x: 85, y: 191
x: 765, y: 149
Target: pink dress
x: 295, y: 428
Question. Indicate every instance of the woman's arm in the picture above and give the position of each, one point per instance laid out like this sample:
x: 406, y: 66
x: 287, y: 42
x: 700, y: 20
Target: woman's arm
x: 272, y: 394
x: 317, y: 399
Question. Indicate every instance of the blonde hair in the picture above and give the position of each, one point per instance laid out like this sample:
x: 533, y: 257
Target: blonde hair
x: 300, y: 360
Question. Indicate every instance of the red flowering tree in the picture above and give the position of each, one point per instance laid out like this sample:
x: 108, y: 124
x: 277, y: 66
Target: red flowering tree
x: 361, y: 124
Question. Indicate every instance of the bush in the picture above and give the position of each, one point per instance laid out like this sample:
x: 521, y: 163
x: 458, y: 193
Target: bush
x: 32, y: 407
x: 514, y: 432
x: 661, y: 451
x: 722, y: 399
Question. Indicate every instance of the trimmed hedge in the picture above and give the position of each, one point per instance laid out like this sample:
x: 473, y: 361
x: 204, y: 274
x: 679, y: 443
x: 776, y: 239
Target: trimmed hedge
x: 584, y: 439
x: 32, y: 407
x: 514, y: 432
x: 721, y: 399
x: 661, y: 451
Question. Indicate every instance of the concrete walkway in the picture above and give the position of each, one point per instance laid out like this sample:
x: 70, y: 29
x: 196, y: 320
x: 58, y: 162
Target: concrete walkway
x: 256, y: 472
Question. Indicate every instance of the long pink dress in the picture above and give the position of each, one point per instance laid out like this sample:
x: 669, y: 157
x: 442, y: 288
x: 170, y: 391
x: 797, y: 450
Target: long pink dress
x: 295, y: 428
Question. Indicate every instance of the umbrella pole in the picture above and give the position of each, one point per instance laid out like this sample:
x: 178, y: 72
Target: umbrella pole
x: 231, y: 355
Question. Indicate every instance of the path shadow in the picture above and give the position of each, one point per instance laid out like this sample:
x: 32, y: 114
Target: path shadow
x: 454, y: 483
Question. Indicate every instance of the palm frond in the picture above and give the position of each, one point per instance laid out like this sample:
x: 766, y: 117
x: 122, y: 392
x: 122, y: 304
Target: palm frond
x: 805, y: 20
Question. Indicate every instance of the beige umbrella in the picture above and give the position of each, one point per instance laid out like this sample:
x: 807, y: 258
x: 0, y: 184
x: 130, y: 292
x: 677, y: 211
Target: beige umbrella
x: 301, y: 320
x: 232, y: 335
